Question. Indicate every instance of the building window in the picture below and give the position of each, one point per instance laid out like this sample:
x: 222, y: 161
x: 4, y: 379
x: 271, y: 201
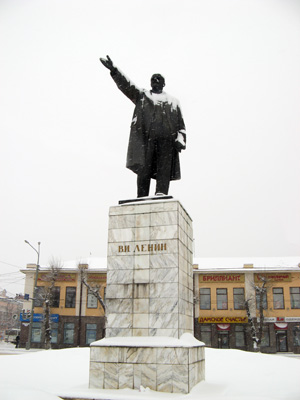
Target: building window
x: 265, y: 340
x: 239, y: 298
x: 91, y: 300
x: 240, y: 336
x: 205, y: 302
x: 278, y: 299
x: 69, y: 333
x: 205, y: 333
x: 36, y: 334
x: 264, y: 299
x: 39, y: 296
x: 54, y: 332
x: 296, y: 335
x: 295, y: 297
x: 222, y: 301
x: 90, y: 333
x: 70, y: 297
x: 55, y: 296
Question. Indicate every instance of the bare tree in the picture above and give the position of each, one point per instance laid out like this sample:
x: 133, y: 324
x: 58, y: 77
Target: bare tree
x: 46, y: 296
x: 257, y: 326
x: 95, y: 289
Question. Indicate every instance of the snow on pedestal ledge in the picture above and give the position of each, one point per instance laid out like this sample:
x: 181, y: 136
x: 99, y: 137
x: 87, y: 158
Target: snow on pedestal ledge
x: 186, y: 340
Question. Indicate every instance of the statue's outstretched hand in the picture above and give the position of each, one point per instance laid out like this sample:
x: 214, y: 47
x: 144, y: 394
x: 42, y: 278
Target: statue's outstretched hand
x: 107, y: 63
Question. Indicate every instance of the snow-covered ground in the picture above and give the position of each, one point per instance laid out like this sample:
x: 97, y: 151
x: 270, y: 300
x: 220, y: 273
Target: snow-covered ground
x: 230, y: 374
x: 10, y: 348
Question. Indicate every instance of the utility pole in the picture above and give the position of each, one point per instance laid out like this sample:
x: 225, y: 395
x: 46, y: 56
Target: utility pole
x: 28, y: 344
x: 79, y: 319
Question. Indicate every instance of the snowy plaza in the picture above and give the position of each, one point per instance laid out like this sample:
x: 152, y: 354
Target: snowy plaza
x: 184, y: 274
x: 230, y: 374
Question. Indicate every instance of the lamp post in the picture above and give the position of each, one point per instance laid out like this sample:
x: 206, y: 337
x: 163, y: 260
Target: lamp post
x: 34, y: 292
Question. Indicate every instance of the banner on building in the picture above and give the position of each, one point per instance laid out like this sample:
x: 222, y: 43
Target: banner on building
x: 275, y: 277
x: 96, y: 278
x: 210, y: 278
x: 222, y: 320
x: 292, y: 319
x: 280, y: 319
x: 46, y: 277
x: 37, y: 317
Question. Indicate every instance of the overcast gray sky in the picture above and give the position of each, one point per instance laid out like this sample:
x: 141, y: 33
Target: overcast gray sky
x: 233, y: 65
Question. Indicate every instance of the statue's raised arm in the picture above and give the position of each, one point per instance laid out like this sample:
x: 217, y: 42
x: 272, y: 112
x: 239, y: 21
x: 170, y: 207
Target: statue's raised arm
x: 124, y: 84
x: 157, y: 132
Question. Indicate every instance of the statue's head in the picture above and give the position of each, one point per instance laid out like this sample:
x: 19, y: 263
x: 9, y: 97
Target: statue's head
x: 157, y: 83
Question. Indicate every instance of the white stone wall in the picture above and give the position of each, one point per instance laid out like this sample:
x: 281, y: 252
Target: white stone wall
x: 150, y: 275
x: 165, y: 369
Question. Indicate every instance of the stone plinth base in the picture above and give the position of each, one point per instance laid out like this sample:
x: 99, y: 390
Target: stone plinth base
x: 161, y: 363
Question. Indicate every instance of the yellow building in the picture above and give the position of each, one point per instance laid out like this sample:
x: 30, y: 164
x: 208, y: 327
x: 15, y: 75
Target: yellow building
x: 221, y: 287
x: 220, y: 313
x: 77, y: 318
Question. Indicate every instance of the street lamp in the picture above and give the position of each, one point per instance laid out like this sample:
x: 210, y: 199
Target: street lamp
x: 34, y: 292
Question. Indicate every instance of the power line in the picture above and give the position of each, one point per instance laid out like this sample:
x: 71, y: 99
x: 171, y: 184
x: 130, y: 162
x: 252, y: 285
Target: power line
x: 11, y: 265
x: 8, y: 282
x: 10, y: 273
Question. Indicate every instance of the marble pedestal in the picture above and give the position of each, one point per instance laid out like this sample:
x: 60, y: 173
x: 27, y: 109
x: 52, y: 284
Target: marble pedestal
x: 166, y: 365
x: 149, y: 296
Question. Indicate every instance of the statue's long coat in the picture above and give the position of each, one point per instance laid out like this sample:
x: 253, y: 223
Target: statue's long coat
x: 145, y: 102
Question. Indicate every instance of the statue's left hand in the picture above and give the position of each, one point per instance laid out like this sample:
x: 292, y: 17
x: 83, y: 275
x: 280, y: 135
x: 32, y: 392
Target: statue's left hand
x: 179, y: 142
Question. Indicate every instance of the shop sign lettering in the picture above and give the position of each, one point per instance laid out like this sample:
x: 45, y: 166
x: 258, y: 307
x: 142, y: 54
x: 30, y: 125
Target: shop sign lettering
x: 222, y: 278
x: 222, y: 320
x: 292, y: 319
x: 97, y: 277
x: 267, y: 319
x: 274, y: 277
x: 46, y: 277
x: 280, y: 319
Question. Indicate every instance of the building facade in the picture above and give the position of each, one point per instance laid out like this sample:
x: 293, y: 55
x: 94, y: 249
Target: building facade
x: 220, y: 314
x: 76, y: 316
x: 220, y: 317
x: 10, y: 308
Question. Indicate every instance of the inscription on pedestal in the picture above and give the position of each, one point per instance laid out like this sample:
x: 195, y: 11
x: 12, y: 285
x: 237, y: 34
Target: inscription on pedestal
x: 142, y: 248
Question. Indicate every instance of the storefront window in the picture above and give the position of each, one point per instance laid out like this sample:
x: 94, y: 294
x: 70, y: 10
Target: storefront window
x: 239, y: 336
x: 278, y: 299
x: 91, y: 333
x: 296, y: 335
x: 223, y: 340
x: 238, y: 298
x: 91, y: 300
x: 295, y: 297
x: 205, y: 331
x: 205, y: 302
x: 70, y: 297
x: 36, y: 334
x: 281, y: 341
x: 222, y: 301
x: 265, y: 341
x: 69, y: 333
x: 54, y: 332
